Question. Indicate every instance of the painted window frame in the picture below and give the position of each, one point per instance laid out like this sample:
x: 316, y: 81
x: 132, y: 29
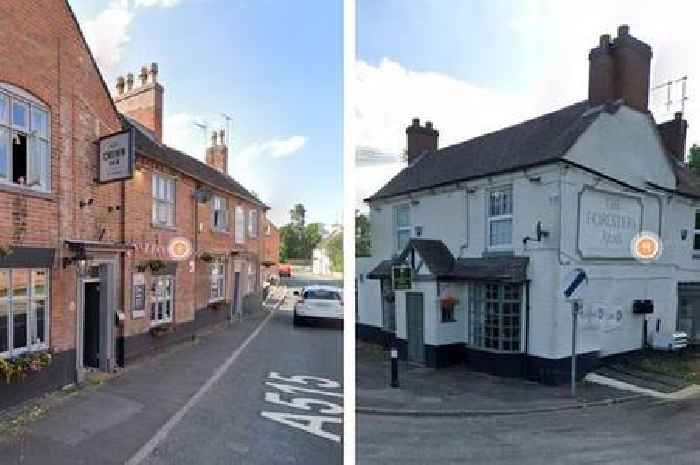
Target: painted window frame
x: 32, y: 300
x: 217, y: 293
x: 157, y: 298
x: 499, y: 217
x: 38, y: 141
x: 161, y: 201
x: 696, y: 231
x: 253, y: 223
x: 239, y: 225
x: 219, y: 213
x: 401, y: 228
x: 478, y: 317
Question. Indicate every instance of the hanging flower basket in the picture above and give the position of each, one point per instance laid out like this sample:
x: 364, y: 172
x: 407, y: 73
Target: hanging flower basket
x: 5, y: 250
x: 141, y: 267
x: 206, y: 257
x: 160, y: 330
x: 13, y: 369
x: 219, y: 306
x: 448, y: 303
x: 156, y: 265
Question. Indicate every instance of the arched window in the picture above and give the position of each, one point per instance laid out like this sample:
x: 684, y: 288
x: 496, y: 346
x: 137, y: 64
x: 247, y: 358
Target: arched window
x: 25, y: 140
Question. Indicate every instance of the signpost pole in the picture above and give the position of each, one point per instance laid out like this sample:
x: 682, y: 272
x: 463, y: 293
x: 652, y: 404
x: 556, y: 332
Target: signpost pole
x: 574, y: 316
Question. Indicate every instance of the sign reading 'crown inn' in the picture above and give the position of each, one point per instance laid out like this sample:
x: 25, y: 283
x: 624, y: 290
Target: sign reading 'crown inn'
x: 607, y: 223
x: 117, y: 157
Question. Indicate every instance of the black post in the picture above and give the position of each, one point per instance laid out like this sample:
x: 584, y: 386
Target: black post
x: 394, y: 363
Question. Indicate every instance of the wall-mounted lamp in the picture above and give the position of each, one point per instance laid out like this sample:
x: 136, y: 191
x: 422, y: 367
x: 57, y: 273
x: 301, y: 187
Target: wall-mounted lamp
x: 415, y: 202
x: 684, y: 234
x: 540, y: 234
x: 80, y: 260
x: 85, y: 203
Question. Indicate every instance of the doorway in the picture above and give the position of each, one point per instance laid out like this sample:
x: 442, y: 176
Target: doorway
x: 236, y: 287
x: 414, y: 327
x: 689, y: 310
x: 91, y: 325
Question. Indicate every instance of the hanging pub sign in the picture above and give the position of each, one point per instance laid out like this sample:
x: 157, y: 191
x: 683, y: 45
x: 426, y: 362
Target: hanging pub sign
x: 402, y: 278
x: 117, y: 157
x: 139, y: 293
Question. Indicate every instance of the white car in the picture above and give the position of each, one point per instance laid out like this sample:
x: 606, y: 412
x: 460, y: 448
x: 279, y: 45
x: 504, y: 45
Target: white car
x: 319, y: 304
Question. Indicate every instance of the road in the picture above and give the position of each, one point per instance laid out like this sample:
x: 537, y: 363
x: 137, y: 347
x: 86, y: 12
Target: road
x: 279, y: 403
x: 625, y: 434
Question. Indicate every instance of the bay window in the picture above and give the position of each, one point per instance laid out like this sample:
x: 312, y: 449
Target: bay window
x: 163, y: 200
x: 500, y: 219
x: 24, y: 142
x: 495, y: 316
x: 161, y: 300
x: 23, y: 310
x: 217, y: 280
x: 402, y: 226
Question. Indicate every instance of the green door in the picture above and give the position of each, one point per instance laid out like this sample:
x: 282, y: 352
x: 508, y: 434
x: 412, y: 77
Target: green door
x: 414, y: 327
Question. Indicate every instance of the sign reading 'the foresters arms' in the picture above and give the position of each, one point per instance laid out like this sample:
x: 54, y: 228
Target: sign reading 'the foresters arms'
x: 607, y: 224
x: 116, y: 160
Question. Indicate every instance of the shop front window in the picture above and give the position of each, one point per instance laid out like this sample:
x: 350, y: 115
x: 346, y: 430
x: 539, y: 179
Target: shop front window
x: 217, y: 279
x: 23, y: 310
x: 495, y: 316
x: 161, y: 300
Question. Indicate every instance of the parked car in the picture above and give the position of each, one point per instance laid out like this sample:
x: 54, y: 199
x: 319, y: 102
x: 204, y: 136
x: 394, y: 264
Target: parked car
x: 319, y: 304
x: 284, y: 270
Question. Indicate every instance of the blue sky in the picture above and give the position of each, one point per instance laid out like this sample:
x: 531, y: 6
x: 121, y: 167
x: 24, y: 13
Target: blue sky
x: 477, y: 66
x: 274, y: 66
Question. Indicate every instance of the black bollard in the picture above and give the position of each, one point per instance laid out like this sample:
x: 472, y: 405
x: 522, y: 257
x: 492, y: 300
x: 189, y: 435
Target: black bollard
x: 394, y: 367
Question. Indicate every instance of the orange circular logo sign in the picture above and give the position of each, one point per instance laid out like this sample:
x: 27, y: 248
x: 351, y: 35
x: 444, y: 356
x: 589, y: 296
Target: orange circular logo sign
x: 646, y: 247
x: 179, y: 248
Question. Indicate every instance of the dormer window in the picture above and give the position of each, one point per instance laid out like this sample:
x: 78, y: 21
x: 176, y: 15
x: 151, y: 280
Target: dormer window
x: 24, y: 140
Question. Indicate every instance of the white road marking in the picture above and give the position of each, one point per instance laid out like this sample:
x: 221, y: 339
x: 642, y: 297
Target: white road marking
x: 322, y: 382
x: 314, y: 426
x: 292, y: 389
x: 163, y: 432
x: 303, y: 403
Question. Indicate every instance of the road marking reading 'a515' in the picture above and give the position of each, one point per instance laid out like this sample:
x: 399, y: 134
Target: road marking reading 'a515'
x: 332, y: 413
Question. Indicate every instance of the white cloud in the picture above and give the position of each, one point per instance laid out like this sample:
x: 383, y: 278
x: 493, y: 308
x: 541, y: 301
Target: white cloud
x: 108, y: 33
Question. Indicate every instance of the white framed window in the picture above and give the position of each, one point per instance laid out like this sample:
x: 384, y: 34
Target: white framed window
x: 25, y: 141
x: 253, y: 223
x: 500, y: 218
x: 219, y: 213
x: 402, y: 226
x: 24, y: 310
x: 239, y: 225
x: 217, y: 280
x: 163, y: 200
x: 161, y: 299
x: 251, y: 277
x: 696, y: 231
x: 495, y: 316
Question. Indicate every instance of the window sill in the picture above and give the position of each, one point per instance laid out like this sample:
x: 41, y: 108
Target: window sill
x: 494, y: 351
x: 163, y: 226
x: 217, y: 300
x: 15, y: 189
x: 26, y: 350
x: 448, y: 321
x: 161, y: 324
x: 219, y: 230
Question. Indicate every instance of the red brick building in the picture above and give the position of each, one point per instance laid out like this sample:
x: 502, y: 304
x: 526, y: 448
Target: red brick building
x: 271, y: 252
x: 96, y: 272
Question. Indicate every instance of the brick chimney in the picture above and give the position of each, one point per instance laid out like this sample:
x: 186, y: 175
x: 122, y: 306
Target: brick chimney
x: 420, y: 139
x: 673, y: 136
x: 217, y: 154
x: 144, y: 102
x: 619, y: 69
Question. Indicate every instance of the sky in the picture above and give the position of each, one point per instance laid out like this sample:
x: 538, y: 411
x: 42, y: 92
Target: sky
x: 275, y: 67
x: 477, y: 66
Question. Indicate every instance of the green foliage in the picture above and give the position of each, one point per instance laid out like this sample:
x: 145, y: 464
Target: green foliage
x: 298, y: 239
x: 694, y: 158
x: 17, y: 368
x: 334, y: 247
x: 362, y: 235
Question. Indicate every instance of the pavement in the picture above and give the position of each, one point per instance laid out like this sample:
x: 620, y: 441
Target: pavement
x: 254, y: 392
x: 458, y: 391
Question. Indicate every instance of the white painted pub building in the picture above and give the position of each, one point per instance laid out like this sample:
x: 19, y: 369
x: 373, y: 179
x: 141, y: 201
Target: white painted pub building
x: 486, y: 287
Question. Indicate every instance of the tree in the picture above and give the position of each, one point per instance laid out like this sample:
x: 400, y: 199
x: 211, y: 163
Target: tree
x: 334, y: 247
x: 312, y: 235
x: 362, y: 235
x: 298, y: 216
x: 694, y: 158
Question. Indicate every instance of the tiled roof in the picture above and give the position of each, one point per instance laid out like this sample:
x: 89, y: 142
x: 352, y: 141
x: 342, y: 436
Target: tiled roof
x: 148, y: 147
x: 435, y: 254
x: 536, y: 141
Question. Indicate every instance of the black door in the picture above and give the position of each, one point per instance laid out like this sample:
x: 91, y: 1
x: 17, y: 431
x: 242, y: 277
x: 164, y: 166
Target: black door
x: 91, y: 326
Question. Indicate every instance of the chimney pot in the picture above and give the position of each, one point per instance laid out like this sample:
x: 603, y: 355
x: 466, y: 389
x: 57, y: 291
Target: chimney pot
x: 120, y: 85
x: 153, y: 72
x: 221, y: 137
x: 213, y: 138
x: 143, y: 75
x: 420, y: 140
x: 129, y: 81
x: 678, y: 115
x: 416, y: 122
x: 623, y: 30
x: 429, y: 125
x: 604, y: 41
